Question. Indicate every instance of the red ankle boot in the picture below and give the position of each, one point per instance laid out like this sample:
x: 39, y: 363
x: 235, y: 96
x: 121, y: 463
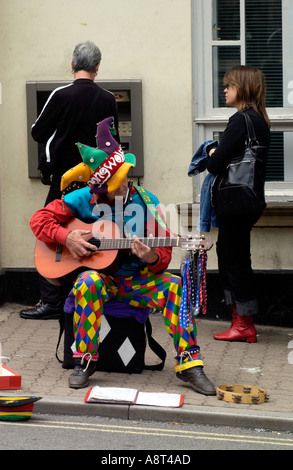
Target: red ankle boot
x: 234, y: 315
x: 241, y: 329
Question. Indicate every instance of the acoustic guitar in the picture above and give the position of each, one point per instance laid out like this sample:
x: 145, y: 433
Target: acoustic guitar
x: 55, y: 262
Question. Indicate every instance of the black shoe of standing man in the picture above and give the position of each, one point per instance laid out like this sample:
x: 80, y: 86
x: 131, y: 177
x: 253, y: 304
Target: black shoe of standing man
x: 42, y: 311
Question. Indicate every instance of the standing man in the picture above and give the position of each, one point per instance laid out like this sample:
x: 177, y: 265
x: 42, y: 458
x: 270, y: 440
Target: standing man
x: 70, y: 115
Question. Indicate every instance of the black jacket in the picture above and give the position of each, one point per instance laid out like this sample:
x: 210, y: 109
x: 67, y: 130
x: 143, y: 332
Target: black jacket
x: 232, y: 142
x: 70, y: 115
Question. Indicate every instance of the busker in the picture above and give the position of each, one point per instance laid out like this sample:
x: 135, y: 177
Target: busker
x: 141, y: 279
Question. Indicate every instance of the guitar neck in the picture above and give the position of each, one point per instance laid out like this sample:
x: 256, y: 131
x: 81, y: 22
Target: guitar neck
x: 125, y: 243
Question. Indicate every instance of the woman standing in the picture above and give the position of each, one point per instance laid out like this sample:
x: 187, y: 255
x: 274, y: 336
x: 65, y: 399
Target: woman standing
x: 244, y: 90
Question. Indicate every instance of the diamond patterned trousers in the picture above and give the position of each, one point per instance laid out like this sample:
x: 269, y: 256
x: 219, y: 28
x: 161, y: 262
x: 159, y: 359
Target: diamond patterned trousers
x: 144, y: 289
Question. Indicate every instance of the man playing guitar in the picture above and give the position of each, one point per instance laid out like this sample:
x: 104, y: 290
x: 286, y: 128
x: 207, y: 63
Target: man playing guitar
x: 139, y: 279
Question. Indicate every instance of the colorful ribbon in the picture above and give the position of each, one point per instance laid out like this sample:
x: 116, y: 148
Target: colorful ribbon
x: 194, y: 291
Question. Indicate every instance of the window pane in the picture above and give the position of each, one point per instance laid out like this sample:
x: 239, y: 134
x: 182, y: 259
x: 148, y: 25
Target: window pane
x: 275, y: 162
x: 264, y: 45
x: 263, y: 49
x: 224, y: 58
x: 226, y: 22
x: 263, y: 40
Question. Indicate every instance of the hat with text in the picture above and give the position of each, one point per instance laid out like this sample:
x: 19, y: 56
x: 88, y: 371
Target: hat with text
x: 108, y: 162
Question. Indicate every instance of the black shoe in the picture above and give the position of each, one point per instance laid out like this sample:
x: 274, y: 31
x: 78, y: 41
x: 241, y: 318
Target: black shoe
x: 81, y: 374
x: 42, y: 311
x: 198, y: 380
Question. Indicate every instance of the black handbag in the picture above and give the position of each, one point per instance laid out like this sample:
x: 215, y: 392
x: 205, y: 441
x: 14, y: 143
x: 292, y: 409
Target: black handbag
x: 239, y: 189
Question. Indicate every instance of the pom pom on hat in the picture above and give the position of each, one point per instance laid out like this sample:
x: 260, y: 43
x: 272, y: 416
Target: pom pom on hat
x: 105, y: 139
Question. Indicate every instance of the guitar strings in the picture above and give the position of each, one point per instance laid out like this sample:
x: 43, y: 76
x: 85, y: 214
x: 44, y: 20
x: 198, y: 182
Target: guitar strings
x: 120, y: 243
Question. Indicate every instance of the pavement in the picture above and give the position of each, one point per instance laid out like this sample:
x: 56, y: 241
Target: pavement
x: 28, y: 348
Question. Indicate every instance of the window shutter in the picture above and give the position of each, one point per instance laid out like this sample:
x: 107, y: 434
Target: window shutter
x: 263, y: 24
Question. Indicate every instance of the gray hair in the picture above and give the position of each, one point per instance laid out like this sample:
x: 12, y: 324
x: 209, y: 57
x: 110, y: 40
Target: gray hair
x: 86, y: 56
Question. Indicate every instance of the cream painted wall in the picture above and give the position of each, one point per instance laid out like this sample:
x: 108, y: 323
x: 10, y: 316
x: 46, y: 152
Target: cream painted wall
x: 138, y: 39
x: 270, y: 249
x: 149, y: 40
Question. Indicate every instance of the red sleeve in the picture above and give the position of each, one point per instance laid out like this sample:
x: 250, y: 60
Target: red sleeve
x: 164, y: 253
x: 165, y: 256
x: 46, y: 223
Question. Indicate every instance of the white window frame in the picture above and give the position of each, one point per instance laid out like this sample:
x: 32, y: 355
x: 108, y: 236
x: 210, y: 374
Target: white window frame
x: 206, y: 118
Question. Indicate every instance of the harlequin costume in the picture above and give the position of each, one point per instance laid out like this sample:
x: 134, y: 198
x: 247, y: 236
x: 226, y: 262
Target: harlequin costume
x: 135, y: 282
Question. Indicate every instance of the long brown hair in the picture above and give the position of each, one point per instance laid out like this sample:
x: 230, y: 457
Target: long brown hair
x: 251, y: 88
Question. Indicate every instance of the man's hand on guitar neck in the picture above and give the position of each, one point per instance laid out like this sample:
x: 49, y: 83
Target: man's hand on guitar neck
x: 77, y: 245
x: 144, y: 252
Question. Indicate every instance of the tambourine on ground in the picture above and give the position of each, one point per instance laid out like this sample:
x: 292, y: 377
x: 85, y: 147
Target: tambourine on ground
x: 239, y: 393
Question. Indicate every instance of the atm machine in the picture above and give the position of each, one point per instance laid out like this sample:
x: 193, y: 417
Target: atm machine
x: 128, y: 94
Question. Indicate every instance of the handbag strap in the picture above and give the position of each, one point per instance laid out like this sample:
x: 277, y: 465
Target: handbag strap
x: 251, y: 137
x: 61, y: 330
x: 155, y: 347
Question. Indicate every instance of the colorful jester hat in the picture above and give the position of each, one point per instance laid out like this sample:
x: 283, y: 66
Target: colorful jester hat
x: 108, y: 162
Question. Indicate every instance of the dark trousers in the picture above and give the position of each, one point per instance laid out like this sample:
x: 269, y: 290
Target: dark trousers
x: 234, y: 261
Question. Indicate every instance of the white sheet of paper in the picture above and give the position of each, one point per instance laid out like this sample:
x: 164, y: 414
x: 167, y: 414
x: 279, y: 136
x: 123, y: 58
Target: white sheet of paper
x: 115, y: 394
x: 158, y: 399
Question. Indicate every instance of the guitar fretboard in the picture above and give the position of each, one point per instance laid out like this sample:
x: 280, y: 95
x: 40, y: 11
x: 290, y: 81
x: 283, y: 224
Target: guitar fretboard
x: 125, y: 243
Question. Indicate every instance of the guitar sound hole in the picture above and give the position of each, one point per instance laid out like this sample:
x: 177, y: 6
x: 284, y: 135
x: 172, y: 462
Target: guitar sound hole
x: 94, y: 241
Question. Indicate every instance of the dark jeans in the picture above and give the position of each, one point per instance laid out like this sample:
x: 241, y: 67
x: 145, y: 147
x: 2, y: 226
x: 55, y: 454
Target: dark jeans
x: 234, y: 260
